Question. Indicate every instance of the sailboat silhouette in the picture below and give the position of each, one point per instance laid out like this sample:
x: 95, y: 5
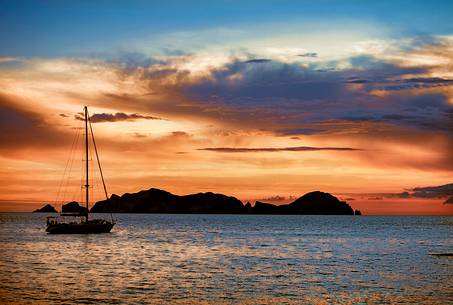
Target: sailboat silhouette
x: 59, y: 225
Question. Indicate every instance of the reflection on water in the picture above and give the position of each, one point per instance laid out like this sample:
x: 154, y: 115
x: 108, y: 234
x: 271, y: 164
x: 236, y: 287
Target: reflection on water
x: 214, y: 259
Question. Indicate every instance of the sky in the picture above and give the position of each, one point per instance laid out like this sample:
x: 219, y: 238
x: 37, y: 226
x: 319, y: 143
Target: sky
x: 262, y: 100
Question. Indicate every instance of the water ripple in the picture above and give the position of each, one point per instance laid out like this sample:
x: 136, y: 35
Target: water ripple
x: 224, y: 259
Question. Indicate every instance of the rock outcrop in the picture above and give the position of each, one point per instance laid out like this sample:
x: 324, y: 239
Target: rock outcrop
x: 159, y: 201
x: 46, y: 209
x: 319, y: 203
x: 73, y: 207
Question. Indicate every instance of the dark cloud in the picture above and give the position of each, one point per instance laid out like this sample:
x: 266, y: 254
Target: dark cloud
x: 63, y: 115
x: 173, y: 52
x: 433, y: 191
x: 403, y: 195
x: 412, y: 83
x: 299, y: 131
x: 309, y: 54
x: 358, y: 81
x: 301, y: 100
x: 275, y: 149
x: 116, y: 117
x: 374, y: 99
x: 290, y: 94
x: 257, y: 61
x: 139, y: 135
x: 449, y: 200
x: 180, y: 133
x: 431, y: 80
x: 441, y: 191
x: 396, y: 117
x: 427, y: 112
x: 274, y: 86
x: 25, y: 129
x: 381, y: 196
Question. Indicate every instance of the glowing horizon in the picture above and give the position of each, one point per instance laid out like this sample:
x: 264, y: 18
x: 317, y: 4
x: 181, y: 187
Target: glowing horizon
x: 255, y: 101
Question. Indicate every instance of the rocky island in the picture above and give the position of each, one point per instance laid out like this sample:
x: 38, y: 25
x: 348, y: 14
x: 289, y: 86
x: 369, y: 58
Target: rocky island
x: 46, y: 209
x: 73, y: 207
x: 160, y: 201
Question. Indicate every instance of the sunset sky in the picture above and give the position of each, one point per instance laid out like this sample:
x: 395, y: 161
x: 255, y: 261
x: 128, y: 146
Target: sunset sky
x: 254, y: 99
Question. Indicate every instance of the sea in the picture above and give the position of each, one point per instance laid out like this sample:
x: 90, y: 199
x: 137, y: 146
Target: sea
x: 230, y: 259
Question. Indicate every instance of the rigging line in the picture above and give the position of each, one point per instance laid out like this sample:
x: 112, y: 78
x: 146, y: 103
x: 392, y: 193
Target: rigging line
x: 82, y: 172
x: 96, y: 189
x: 64, y: 172
x: 97, y: 158
x: 93, y: 177
x: 74, y: 140
x: 91, y: 174
x: 75, y: 188
x: 95, y: 180
x: 69, y: 173
x: 74, y: 196
x: 97, y: 184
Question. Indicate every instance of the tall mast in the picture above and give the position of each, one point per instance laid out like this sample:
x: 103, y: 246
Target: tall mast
x: 86, y: 160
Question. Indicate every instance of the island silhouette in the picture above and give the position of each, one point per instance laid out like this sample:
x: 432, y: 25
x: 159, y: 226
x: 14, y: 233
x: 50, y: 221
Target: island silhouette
x: 159, y: 201
x: 46, y: 209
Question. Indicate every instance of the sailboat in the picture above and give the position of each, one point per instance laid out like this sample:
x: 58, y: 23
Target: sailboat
x: 85, y: 225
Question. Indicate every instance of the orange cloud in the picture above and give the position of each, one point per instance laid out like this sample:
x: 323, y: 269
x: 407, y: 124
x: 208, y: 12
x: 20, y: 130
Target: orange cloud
x: 382, y: 120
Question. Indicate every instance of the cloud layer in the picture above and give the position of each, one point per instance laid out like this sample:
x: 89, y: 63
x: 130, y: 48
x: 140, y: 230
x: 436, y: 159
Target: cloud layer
x: 235, y: 120
x: 433, y: 191
x: 116, y: 117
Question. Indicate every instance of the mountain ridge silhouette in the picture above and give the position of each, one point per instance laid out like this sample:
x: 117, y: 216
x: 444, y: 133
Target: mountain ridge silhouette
x: 160, y: 201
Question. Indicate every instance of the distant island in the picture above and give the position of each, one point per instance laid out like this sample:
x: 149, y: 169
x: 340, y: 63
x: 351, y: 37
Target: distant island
x: 160, y: 201
x: 73, y: 207
x: 46, y: 209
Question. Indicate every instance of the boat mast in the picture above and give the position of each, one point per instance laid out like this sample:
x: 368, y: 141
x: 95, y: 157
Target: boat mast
x: 86, y: 160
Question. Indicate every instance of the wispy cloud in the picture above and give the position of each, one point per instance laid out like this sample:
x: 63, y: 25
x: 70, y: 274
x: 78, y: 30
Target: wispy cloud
x: 116, y: 117
x: 309, y: 54
x: 433, y: 191
x: 427, y: 192
x: 276, y: 149
x: 257, y: 61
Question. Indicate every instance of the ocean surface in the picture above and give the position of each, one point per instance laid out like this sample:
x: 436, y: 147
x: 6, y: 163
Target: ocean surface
x: 229, y: 259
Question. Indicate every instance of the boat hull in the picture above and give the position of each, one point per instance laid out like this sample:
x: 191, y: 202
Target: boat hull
x: 80, y: 228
